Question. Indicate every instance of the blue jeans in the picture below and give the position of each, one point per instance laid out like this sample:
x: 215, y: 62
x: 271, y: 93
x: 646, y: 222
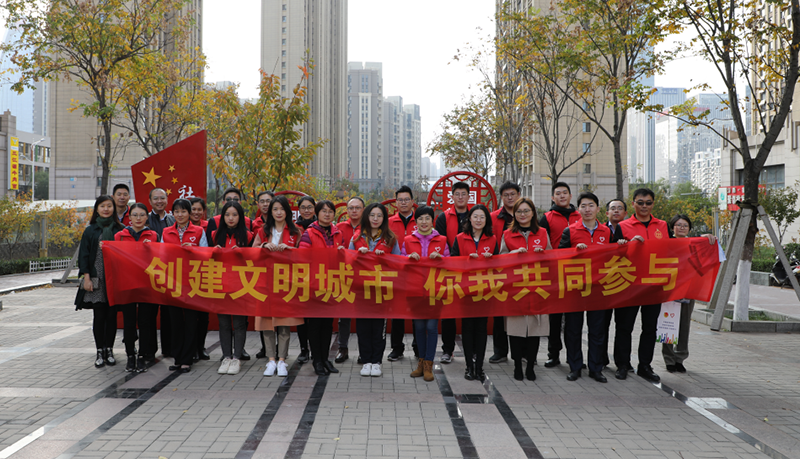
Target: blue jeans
x: 426, y: 331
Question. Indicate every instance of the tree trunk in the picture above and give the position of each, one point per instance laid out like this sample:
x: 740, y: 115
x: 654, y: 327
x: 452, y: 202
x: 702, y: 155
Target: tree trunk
x: 618, y: 167
x: 741, y: 303
x: 106, y: 162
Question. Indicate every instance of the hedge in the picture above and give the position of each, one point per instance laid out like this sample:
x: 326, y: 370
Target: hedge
x: 22, y: 265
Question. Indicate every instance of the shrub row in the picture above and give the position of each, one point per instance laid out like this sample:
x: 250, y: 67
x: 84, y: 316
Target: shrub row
x: 22, y: 265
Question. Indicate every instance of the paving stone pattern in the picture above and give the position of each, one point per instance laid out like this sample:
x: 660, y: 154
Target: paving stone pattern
x: 53, y: 402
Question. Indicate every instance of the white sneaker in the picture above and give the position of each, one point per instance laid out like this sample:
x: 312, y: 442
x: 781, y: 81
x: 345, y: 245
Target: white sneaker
x: 271, y: 367
x: 366, y: 370
x: 234, y: 368
x: 376, y: 369
x: 283, y: 369
x: 224, y: 366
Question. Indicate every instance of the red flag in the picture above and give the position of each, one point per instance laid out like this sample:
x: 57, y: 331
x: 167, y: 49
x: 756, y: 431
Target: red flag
x: 180, y: 170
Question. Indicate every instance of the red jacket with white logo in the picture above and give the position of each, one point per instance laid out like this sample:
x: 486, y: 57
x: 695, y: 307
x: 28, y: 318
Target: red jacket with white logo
x: 465, y: 245
x: 231, y: 241
x: 292, y: 240
x: 576, y: 234
x: 348, y: 230
x: 193, y: 235
x: 127, y: 235
x: 516, y: 241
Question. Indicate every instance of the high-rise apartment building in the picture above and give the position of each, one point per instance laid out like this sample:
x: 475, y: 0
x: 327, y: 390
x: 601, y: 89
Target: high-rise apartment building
x: 706, y: 171
x: 290, y: 28
x: 393, y: 145
x: 642, y: 133
x: 412, y: 137
x: 365, y: 124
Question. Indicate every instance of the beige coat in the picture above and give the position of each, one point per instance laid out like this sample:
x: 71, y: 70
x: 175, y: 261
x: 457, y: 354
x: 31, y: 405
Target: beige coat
x: 538, y: 325
x: 269, y: 323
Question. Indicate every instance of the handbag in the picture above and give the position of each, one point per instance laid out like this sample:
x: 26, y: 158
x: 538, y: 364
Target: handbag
x: 79, y: 303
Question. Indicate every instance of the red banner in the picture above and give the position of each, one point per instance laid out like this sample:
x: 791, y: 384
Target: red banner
x: 343, y: 283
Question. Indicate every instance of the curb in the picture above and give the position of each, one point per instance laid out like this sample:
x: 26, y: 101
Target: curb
x: 23, y: 288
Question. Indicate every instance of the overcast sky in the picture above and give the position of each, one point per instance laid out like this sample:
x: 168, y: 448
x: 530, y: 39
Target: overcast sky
x: 415, y: 40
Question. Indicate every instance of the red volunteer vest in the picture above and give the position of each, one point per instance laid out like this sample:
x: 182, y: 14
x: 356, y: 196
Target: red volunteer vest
x: 247, y: 222
x: 466, y: 245
x: 656, y: 229
x: 578, y: 234
x: 126, y: 236
x: 452, y: 224
x: 230, y: 241
x: 516, y: 241
x: 360, y: 241
x: 499, y: 225
x: 558, y: 223
x: 347, y: 230
x: 192, y: 235
x: 292, y: 240
x: 126, y: 217
x: 318, y: 239
x: 258, y: 223
x: 437, y: 244
x: 401, y: 231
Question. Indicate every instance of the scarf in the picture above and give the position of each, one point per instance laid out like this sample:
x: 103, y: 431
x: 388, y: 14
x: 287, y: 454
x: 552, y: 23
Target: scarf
x: 107, y: 225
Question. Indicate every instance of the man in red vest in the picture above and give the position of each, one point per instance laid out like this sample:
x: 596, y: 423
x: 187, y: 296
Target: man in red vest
x: 348, y: 228
x: 561, y: 214
x: 501, y: 221
x: 616, y: 211
x: 122, y: 194
x: 402, y: 224
x: 449, y: 223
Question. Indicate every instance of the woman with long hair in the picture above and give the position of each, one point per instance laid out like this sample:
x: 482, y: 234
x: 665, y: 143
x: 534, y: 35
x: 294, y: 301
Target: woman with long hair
x: 321, y: 234
x: 232, y: 234
x: 675, y: 354
x: 374, y: 236
x: 524, y: 332
x: 92, y: 291
x: 143, y: 313
x: 278, y: 234
x: 475, y: 241
x: 183, y: 320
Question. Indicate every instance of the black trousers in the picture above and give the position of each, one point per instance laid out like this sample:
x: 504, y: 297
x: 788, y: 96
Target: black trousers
x: 143, y: 315
x: 499, y: 337
x: 319, y: 337
x: 604, y: 359
x: 302, y: 335
x: 202, y: 330
x: 184, y: 333
x: 527, y: 347
x: 473, y: 335
x: 166, y: 331
x: 554, y: 340
x: 397, y: 336
x: 371, y: 339
x: 448, y: 336
x: 104, y: 325
x: 573, y: 331
x: 625, y: 319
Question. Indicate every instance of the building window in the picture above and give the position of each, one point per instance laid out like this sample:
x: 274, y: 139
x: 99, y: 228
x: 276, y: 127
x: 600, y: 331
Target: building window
x: 283, y: 19
x: 283, y: 53
x: 587, y: 127
x: 587, y: 168
x: 283, y: 41
x: 283, y: 65
x: 99, y: 182
x: 587, y: 147
x: 771, y: 176
x: 284, y: 7
x: 283, y: 76
x: 283, y: 30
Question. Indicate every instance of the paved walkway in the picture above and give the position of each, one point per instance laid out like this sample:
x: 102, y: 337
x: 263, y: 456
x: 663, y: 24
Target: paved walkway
x: 11, y: 281
x: 740, y: 399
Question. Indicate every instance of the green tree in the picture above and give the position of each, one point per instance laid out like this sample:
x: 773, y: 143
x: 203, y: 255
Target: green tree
x: 42, y: 185
x: 91, y: 43
x: 781, y: 206
x: 16, y: 220
x: 65, y: 225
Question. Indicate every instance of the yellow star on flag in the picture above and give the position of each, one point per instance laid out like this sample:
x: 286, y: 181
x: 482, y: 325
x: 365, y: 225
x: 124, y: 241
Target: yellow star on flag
x: 174, y: 180
x: 150, y: 177
x: 169, y: 192
x: 172, y: 168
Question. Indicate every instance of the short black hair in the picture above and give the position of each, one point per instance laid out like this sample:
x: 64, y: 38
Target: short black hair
x: 306, y: 198
x: 424, y: 210
x: 120, y: 185
x: 460, y: 186
x: 675, y: 219
x: 559, y: 185
x: 357, y: 197
x: 588, y: 195
x: 232, y: 190
x: 139, y: 205
x: 467, y: 226
x: 200, y: 200
x: 404, y: 189
x: 510, y: 186
x: 182, y: 204
x: 624, y: 204
x: 644, y: 192
x: 323, y: 204
x: 270, y: 193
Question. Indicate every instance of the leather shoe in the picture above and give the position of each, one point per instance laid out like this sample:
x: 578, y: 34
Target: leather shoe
x: 303, y: 357
x: 319, y: 369
x: 621, y: 373
x: 530, y: 374
x: 358, y: 361
x: 342, y: 355
x: 394, y: 356
x: 497, y: 358
x: 671, y: 368
x: 261, y: 354
x: 469, y: 374
x: 629, y: 368
x: 203, y: 355
x: 647, y: 373
x: 329, y: 366
x: 552, y: 363
x: 174, y: 367
x: 599, y: 377
x: 574, y: 375
x: 245, y: 355
x: 680, y: 368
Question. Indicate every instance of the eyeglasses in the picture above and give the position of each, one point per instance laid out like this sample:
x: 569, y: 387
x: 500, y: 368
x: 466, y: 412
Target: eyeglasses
x: 231, y: 199
x: 263, y: 201
x: 523, y: 212
x: 644, y: 203
x: 681, y: 226
x: 354, y: 209
x: 461, y: 195
x: 309, y: 208
x: 404, y: 200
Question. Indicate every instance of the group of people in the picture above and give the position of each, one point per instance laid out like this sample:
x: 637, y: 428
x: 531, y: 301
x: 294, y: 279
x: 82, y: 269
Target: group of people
x: 461, y: 230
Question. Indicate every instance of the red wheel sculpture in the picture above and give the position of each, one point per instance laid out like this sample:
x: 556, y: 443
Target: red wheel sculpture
x: 480, y: 191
